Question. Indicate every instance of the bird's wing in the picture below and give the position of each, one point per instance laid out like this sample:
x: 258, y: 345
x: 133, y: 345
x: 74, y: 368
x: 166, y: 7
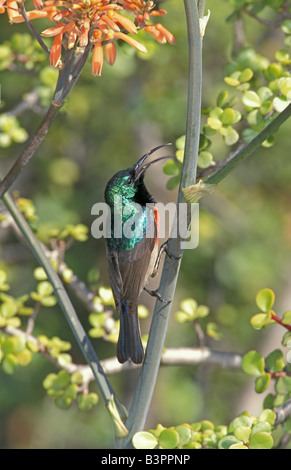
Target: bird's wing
x: 129, y: 270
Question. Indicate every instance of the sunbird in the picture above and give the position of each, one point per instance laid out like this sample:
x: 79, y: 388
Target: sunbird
x: 133, y: 256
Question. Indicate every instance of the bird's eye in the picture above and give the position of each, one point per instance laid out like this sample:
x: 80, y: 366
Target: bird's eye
x: 128, y: 181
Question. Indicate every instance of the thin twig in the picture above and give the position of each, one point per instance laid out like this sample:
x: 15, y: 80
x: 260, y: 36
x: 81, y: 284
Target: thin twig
x: 243, y: 153
x: 64, y: 86
x: 32, y: 29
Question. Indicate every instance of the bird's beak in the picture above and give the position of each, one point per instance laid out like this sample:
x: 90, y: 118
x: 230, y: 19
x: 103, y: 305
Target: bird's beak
x: 139, y: 169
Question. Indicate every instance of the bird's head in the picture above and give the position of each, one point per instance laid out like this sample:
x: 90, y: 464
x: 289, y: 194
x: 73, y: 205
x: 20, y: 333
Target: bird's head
x: 129, y: 183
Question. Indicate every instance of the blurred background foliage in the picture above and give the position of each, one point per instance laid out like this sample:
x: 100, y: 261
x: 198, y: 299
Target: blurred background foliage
x: 245, y: 225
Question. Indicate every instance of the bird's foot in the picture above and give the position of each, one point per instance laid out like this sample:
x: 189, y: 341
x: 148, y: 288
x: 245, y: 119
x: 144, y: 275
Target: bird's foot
x: 156, y: 294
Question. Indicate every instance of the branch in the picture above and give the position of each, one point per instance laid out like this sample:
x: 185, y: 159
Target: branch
x: 243, y: 153
x: 283, y: 412
x: 32, y: 30
x: 171, y: 357
x: 68, y: 77
x: 147, y: 379
x: 65, y: 303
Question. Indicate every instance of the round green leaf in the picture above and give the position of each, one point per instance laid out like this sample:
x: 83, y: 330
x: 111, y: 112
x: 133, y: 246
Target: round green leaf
x: 228, y: 441
x: 231, y: 136
x: 284, y: 85
x: 189, y: 306
x: 204, y: 159
x: 10, y: 363
x: 173, y: 182
x: 261, y: 440
x: 251, y: 99
x: 63, y: 402
x: 260, y: 319
x: 242, y: 433
x: 246, y: 75
x: 286, y: 319
x: 45, y: 288
x: 275, y: 361
x: 283, y: 56
x: 262, y: 382
x: 214, y: 123
x: 268, y: 416
x: 144, y: 440
x: 238, y: 446
x: 228, y: 116
x: 286, y: 26
x: 279, y: 104
x: 180, y: 142
x: 171, y: 168
x: 185, y: 433
x: 14, y: 344
x: 169, y: 439
x: 231, y: 81
x: 265, y: 299
x: 253, y: 363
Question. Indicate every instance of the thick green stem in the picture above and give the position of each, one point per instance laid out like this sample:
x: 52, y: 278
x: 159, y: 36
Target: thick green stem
x: 65, y: 303
x: 147, y: 379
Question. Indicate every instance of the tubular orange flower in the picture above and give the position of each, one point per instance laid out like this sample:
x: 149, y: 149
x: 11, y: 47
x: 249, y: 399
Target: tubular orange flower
x: 97, y: 60
x: 76, y: 21
x: 110, y: 53
x: 55, y: 55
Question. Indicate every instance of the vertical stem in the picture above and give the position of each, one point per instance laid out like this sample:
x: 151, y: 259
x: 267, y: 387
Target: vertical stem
x: 147, y: 379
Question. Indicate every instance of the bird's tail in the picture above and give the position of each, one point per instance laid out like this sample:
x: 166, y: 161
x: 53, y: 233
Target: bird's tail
x: 129, y: 345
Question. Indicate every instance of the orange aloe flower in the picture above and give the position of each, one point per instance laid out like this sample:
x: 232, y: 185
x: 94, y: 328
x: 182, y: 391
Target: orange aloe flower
x: 101, y: 22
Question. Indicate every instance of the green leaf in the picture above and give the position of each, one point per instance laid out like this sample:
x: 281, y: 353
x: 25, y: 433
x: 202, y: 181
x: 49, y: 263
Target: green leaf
x: 286, y: 319
x: 180, y: 142
x: 268, y: 416
x: 231, y: 81
x: 265, y: 299
x: 204, y: 159
x: 64, y: 403
x: 228, y: 441
x: 173, y: 182
x: 280, y: 103
x: 275, y: 361
x: 14, y: 344
x: 168, y: 439
x: 213, y: 331
x: 284, y: 85
x: 286, y: 26
x: 44, y: 288
x: 171, y: 168
x: 142, y: 311
x: 214, y: 123
x: 260, y: 319
x: 185, y: 433
x: 10, y: 364
x: 246, y: 75
x: 253, y: 363
x: 261, y: 440
x: 262, y: 382
x: 228, y: 116
x: 144, y: 440
x: 242, y: 433
x: 283, y: 56
x: 251, y: 99
x: 189, y: 306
